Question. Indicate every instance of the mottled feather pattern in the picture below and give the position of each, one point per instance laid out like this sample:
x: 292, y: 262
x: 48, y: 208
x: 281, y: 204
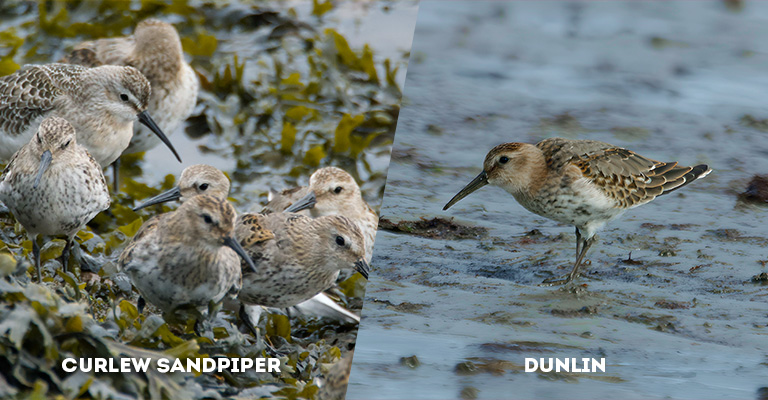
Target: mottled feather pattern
x: 631, y: 179
x: 31, y: 92
x: 178, y: 259
x: 284, y: 199
x: 71, y: 191
x: 155, y: 50
x: 301, y: 260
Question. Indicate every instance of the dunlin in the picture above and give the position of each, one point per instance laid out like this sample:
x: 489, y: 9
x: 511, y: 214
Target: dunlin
x: 194, y: 180
x: 187, y: 259
x: 53, y: 186
x: 101, y: 103
x: 584, y: 183
x: 331, y: 191
x: 155, y: 50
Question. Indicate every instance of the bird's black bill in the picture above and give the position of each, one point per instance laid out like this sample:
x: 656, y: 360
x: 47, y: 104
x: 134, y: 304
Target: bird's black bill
x: 45, y: 162
x: 234, y: 245
x: 479, y: 181
x: 173, y: 194
x: 303, y: 203
x: 145, y: 119
x: 362, y: 267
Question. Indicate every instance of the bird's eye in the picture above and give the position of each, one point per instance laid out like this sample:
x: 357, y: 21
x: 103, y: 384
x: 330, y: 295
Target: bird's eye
x: 503, y: 159
x: 123, y: 97
x: 207, y: 218
x: 338, y: 189
x: 340, y: 240
x: 204, y: 187
x: 66, y: 144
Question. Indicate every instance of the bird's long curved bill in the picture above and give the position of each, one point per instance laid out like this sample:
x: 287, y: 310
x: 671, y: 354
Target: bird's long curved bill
x: 479, y: 181
x: 234, y: 245
x: 303, y: 203
x: 145, y: 119
x: 173, y: 194
x: 45, y: 162
x: 362, y: 267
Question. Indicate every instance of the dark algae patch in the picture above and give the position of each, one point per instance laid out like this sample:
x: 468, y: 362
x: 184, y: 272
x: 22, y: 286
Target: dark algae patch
x: 435, y: 228
x: 757, y: 190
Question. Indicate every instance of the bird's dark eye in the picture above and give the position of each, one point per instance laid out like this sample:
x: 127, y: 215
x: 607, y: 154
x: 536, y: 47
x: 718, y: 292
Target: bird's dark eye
x: 338, y: 189
x: 503, y: 159
x: 123, y: 97
x: 66, y: 144
x: 340, y: 240
x: 207, y: 218
x: 204, y: 187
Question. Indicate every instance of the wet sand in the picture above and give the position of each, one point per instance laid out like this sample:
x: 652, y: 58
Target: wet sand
x: 681, y: 318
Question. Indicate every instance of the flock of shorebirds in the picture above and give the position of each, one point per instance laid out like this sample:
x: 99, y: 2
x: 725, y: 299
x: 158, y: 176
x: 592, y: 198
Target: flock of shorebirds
x: 61, y: 124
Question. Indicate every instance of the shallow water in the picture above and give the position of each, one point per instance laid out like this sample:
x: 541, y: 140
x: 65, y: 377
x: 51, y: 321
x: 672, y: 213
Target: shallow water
x: 671, y: 81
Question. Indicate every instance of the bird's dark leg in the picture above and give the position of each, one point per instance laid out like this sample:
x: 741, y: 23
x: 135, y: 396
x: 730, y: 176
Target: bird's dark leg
x: 579, y: 243
x: 582, y: 246
x: 243, y: 314
x: 116, y: 175
x: 586, y: 244
x: 140, y: 304
x: 36, y: 255
x: 65, y: 254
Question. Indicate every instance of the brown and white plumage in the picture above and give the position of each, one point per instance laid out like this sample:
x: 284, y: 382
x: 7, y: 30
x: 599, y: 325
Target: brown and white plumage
x: 298, y: 258
x: 194, y: 180
x: 155, y: 50
x: 52, y: 185
x: 335, y: 192
x: 101, y: 104
x: 188, y: 257
x: 584, y: 183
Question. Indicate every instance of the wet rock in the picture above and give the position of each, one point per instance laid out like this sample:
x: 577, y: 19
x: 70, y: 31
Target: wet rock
x: 757, y: 190
x: 469, y: 393
x: 407, y: 307
x: 725, y: 234
x: 761, y: 278
x: 434, y: 129
x: 582, y: 312
x: 410, y: 362
x: 754, y: 123
x: 435, y: 228
x: 673, y: 305
x: 466, y: 368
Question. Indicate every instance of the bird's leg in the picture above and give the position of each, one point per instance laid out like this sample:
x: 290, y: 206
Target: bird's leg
x: 65, y: 254
x: 36, y: 256
x: 586, y: 244
x: 582, y: 245
x: 116, y: 175
x: 140, y: 304
x: 243, y: 314
x: 579, y: 243
x: 213, y: 309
